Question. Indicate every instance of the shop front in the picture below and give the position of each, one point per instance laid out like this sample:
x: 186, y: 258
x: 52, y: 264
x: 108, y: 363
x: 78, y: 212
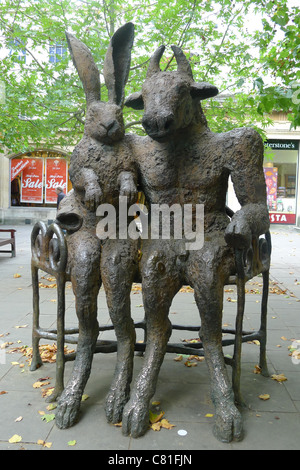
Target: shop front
x: 281, y: 170
x: 31, y: 185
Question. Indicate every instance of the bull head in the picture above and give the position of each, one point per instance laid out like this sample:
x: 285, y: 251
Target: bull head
x: 170, y: 99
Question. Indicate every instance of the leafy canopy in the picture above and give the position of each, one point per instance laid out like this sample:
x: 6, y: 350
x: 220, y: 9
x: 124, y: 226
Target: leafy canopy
x: 250, y: 49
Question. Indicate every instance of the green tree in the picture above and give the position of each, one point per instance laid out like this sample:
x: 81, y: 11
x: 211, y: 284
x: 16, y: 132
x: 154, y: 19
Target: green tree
x: 256, y: 68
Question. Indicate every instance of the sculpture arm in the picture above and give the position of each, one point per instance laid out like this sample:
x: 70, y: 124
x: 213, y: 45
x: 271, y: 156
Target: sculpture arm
x: 250, y: 188
x: 85, y: 180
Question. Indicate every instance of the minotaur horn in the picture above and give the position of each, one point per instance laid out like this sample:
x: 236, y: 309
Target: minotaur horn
x: 182, y: 62
x: 154, y: 61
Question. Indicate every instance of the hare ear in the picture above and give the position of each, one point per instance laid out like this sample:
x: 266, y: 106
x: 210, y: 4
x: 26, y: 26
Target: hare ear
x: 87, y: 70
x: 117, y: 63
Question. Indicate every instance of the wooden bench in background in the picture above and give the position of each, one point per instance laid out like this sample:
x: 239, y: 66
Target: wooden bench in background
x: 8, y: 241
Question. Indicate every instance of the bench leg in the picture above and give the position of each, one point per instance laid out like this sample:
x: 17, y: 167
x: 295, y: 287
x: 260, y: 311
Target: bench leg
x: 60, y: 356
x: 263, y: 326
x: 36, y: 358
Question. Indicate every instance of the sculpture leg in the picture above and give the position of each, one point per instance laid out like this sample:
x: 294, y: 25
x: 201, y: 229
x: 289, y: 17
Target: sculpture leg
x: 207, y: 272
x: 119, y: 264
x: 160, y: 281
x: 84, y: 254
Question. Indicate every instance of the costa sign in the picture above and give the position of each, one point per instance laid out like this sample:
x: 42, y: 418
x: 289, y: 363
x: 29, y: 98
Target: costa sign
x: 280, y: 218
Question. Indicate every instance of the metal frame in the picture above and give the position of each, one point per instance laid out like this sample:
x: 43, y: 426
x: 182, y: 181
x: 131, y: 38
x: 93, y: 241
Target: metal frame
x: 49, y: 254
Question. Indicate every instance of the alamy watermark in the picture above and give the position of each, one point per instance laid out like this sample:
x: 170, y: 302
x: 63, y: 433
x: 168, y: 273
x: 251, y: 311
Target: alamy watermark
x: 296, y: 94
x: 2, y: 353
x: 162, y: 221
x: 2, y: 92
x: 295, y: 351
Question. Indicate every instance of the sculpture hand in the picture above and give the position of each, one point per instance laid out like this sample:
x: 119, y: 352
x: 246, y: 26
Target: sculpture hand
x: 93, y: 195
x: 238, y: 233
x: 128, y: 187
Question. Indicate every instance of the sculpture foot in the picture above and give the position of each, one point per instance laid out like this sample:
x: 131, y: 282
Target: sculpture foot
x: 115, y: 403
x: 135, y: 420
x: 228, y: 425
x: 68, y: 410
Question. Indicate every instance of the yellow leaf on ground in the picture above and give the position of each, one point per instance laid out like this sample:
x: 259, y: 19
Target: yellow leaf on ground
x: 15, y: 438
x: 72, y: 443
x: 208, y: 415
x: 156, y: 426
x: 165, y: 424
x: 279, y: 377
x: 264, y: 396
x: 17, y: 275
x: 40, y: 384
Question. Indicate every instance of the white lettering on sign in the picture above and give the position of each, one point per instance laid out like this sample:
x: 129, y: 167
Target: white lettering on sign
x: 53, y: 183
x: 28, y: 183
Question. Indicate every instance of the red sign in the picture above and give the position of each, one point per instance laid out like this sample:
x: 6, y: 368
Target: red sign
x: 280, y: 218
x: 56, y: 175
x: 32, y: 181
x: 17, y: 166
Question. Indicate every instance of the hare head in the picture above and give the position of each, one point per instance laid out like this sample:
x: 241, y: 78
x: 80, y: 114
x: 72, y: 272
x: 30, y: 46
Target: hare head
x: 104, y: 120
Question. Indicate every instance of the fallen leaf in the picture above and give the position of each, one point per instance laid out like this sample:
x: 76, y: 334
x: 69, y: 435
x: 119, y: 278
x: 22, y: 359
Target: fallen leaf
x: 21, y: 326
x: 118, y: 425
x: 48, y: 417
x: 264, y: 396
x: 85, y: 397
x: 178, y: 358
x: 155, y: 418
x: 17, y: 420
x: 72, y: 443
x: 14, y: 439
x: 48, y: 445
x: 279, y: 377
x: 52, y: 406
x: 156, y: 426
x: 17, y: 275
x: 155, y: 403
x: 208, y: 415
x: 40, y: 384
x: 190, y: 364
x: 3, y: 392
x: 166, y: 424
x: 257, y: 369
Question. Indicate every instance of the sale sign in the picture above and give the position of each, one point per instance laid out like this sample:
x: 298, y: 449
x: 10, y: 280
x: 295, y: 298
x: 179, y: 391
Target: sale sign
x: 56, y: 175
x: 32, y: 181
x: 17, y: 166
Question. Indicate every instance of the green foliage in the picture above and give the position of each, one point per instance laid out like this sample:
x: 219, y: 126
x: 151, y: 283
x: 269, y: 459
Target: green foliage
x: 256, y: 68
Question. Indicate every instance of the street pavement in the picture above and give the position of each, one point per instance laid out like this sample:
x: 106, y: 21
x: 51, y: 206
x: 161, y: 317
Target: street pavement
x: 183, y: 389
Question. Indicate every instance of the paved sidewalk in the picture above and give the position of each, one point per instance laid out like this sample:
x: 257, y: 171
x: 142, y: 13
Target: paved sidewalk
x: 183, y: 392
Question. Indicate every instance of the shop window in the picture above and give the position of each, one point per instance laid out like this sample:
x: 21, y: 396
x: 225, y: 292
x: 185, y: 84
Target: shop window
x: 280, y: 168
x: 35, y: 176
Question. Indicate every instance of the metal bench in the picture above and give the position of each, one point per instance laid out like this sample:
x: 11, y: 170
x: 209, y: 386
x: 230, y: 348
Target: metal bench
x: 49, y: 254
x: 8, y: 241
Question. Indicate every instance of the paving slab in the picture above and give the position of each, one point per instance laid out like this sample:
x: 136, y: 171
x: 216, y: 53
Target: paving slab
x: 183, y: 392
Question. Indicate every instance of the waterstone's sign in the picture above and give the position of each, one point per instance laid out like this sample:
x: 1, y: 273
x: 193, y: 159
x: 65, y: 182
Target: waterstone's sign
x: 283, y: 144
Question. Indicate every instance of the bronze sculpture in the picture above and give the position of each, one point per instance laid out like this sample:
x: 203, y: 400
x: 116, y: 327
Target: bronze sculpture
x: 100, y: 170
x: 182, y: 162
x: 186, y: 163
